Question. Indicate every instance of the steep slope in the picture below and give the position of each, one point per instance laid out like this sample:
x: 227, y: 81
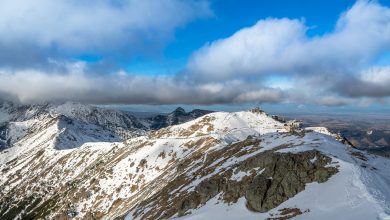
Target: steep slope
x: 222, y: 165
x: 75, y: 124
x: 79, y: 123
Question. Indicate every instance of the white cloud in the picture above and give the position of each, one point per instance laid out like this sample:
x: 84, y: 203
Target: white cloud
x: 87, y: 24
x: 253, y: 50
x: 260, y: 95
x: 377, y: 75
x: 282, y: 46
x: 333, y: 101
x: 272, y: 61
x: 212, y: 87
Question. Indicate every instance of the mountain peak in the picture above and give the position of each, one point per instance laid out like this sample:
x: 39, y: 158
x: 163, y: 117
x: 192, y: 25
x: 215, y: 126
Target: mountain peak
x: 178, y: 116
x: 179, y: 110
x: 256, y: 110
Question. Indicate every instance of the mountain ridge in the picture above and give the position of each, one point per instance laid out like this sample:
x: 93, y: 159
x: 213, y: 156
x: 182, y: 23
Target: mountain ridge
x: 220, y: 165
x: 73, y: 118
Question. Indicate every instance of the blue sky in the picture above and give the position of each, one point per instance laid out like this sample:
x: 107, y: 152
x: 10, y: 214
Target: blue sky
x: 326, y: 56
x: 230, y: 16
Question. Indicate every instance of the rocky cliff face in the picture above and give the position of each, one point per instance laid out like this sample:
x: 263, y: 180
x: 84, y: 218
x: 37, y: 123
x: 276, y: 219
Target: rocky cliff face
x: 220, y: 165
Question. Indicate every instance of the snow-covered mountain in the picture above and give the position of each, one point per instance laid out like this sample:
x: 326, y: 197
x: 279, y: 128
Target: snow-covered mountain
x: 242, y: 165
x: 71, y: 124
x: 75, y: 124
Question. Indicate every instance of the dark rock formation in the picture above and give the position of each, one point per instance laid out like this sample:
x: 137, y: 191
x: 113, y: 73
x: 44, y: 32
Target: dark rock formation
x: 284, y: 176
x: 271, y: 179
x: 178, y: 116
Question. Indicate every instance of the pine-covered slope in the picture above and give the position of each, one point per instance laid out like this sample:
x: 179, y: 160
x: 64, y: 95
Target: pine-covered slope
x: 242, y: 165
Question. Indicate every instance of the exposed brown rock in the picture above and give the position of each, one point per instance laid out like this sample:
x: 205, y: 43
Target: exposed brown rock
x: 284, y: 175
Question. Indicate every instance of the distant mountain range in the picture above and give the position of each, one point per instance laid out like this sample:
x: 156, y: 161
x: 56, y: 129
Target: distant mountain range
x: 178, y: 116
x: 75, y: 161
x: 77, y: 123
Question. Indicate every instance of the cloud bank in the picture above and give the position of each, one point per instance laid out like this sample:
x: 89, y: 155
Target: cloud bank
x: 43, y: 28
x: 337, y: 68
x: 75, y: 84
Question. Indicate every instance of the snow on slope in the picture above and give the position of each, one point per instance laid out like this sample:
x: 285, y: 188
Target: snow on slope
x: 235, y: 125
x: 97, y: 116
x: 3, y: 116
x: 359, y: 191
x: 5, y: 108
x: 321, y: 130
x: 156, y: 175
x: 77, y: 123
x: 347, y: 195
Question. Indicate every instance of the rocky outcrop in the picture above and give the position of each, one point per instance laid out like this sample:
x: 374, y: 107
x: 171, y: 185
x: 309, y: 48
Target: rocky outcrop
x: 284, y: 176
x: 271, y: 179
